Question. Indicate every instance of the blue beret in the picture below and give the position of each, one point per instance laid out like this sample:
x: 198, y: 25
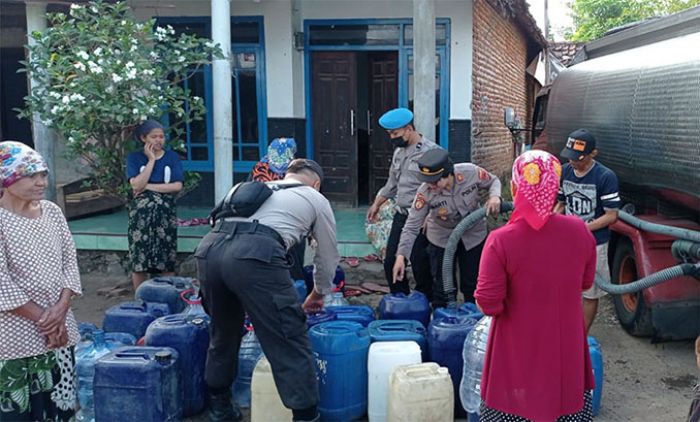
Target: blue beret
x: 396, y: 118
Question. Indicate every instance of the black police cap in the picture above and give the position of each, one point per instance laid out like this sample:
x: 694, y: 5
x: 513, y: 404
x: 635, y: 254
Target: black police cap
x: 434, y: 164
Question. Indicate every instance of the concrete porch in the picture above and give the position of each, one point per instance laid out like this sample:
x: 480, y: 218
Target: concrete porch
x: 107, y: 232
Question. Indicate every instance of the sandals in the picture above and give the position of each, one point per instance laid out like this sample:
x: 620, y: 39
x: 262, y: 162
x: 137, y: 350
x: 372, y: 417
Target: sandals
x: 352, y: 261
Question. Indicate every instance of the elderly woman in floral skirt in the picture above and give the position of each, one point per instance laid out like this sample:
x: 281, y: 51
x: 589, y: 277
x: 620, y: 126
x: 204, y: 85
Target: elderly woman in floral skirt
x: 38, y: 277
x: 156, y: 176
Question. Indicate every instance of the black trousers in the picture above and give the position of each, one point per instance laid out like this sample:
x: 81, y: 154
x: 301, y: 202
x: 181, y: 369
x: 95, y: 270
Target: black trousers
x: 468, y: 263
x: 246, y: 270
x: 420, y: 262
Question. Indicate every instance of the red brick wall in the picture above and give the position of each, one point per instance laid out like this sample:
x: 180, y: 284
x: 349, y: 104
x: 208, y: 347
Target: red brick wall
x: 499, y: 80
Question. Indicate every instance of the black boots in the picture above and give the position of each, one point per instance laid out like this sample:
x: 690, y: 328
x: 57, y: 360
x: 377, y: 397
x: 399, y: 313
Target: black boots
x: 222, y: 408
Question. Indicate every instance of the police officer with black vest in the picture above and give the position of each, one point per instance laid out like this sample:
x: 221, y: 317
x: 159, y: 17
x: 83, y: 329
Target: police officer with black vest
x: 401, y: 185
x: 449, y: 193
x: 243, y: 266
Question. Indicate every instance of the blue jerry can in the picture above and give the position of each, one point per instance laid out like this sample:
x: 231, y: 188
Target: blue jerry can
x: 401, y: 306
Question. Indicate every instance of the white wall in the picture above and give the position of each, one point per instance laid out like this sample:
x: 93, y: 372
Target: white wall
x: 279, y: 49
x: 284, y: 65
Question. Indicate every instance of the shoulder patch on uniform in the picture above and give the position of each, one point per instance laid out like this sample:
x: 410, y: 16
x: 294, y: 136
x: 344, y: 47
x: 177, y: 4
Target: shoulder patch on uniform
x: 419, y: 202
x: 483, y: 174
x: 460, y: 177
x: 419, y: 145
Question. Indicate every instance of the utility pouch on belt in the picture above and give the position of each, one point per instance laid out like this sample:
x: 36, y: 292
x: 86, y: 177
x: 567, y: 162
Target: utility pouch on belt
x: 244, y: 199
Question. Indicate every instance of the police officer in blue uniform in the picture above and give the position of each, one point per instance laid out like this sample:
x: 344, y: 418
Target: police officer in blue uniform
x: 402, y: 184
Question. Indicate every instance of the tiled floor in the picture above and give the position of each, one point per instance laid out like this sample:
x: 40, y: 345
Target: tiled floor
x: 108, y: 231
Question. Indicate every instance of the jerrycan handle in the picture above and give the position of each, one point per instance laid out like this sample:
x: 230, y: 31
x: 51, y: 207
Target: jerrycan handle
x: 132, y: 355
x: 422, y: 369
x: 138, y: 305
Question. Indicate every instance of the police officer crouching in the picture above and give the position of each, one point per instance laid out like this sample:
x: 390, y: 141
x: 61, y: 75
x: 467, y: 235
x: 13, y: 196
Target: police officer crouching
x: 243, y: 266
x: 449, y: 193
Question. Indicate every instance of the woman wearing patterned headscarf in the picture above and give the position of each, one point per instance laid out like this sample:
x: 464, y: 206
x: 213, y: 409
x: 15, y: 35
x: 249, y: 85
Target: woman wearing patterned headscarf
x: 273, y: 165
x: 38, y: 276
x: 155, y: 175
x: 531, y: 276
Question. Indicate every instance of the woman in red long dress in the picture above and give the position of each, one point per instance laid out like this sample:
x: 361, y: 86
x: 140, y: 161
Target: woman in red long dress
x: 532, y: 272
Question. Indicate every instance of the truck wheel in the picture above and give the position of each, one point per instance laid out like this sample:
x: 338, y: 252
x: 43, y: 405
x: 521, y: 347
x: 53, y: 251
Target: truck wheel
x: 631, y: 310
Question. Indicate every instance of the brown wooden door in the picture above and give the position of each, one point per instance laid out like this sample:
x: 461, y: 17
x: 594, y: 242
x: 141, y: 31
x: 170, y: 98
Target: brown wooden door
x: 334, y: 96
x: 383, y: 96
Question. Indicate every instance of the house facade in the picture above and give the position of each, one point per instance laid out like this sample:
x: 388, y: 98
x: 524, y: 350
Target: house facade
x: 323, y: 72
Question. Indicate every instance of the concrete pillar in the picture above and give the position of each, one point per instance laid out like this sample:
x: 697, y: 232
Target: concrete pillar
x: 424, y: 67
x: 45, y: 139
x: 223, y: 112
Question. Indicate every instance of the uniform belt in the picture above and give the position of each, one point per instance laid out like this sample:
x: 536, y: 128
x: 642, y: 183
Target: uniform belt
x: 235, y: 227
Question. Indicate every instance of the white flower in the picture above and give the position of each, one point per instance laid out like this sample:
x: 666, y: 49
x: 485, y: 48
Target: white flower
x: 83, y: 55
x: 75, y: 6
x: 153, y: 55
x: 94, y: 68
x: 135, y: 111
x: 171, y: 30
x: 196, y: 99
x: 109, y: 89
x: 133, y: 48
x: 129, y: 64
x: 211, y: 44
x: 181, y: 59
x: 123, y: 22
x: 77, y: 97
x: 117, y: 52
x: 98, y: 51
x: 94, y: 9
x: 100, y: 61
x: 55, y: 109
x: 116, y: 78
x: 48, y: 122
x: 131, y: 74
x: 65, y: 99
x: 55, y: 95
x: 71, y: 139
x: 148, y: 72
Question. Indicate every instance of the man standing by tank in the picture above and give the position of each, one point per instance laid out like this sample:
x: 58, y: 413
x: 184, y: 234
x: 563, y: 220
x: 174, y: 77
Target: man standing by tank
x: 449, y: 193
x: 402, y: 184
x: 243, y: 266
x: 590, y: 191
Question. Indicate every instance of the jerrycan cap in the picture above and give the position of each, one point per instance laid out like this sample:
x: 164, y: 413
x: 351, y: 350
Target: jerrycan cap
x: 163, y: 357
x: 198, y: 321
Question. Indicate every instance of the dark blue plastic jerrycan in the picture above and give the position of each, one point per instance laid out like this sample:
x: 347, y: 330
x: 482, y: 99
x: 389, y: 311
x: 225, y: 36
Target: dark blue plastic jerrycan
x: 138, y: 384
x: 413, y: 306
x: 133, y: 317
x: 165, y: 290
x: 190, y: 337
x: 446, y: 342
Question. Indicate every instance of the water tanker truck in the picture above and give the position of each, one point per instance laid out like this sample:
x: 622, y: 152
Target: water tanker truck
x: 638, y: 91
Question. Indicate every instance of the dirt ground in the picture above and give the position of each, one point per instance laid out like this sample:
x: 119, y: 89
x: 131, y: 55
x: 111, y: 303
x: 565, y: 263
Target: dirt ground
x: 643, y: 381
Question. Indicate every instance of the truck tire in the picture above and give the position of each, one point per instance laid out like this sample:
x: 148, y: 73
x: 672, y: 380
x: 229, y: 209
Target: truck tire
x: 631, y: 310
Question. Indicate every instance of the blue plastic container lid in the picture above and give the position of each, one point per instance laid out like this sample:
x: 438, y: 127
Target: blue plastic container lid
x: 324, y: 315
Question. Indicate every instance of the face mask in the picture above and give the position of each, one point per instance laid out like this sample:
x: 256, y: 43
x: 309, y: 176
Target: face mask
x: 399, y: 143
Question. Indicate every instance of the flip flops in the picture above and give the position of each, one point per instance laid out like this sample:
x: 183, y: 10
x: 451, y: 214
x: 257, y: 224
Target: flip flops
x: 352, y: 261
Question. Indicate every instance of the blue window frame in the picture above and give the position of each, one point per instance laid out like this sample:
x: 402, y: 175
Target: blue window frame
x: 249, y: 101
x: 380, y: 35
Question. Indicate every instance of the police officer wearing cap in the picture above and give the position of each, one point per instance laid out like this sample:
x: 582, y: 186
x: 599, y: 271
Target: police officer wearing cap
x: 243, y: 266
x: 448, y: 194
x: 402, y: 184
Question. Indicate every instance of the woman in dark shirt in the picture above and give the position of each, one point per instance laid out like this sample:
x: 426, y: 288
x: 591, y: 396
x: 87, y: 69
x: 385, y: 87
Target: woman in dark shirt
x: 156, y: 176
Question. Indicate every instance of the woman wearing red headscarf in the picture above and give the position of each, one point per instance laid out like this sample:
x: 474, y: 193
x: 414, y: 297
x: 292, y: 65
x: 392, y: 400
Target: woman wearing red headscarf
x: 531, y: 276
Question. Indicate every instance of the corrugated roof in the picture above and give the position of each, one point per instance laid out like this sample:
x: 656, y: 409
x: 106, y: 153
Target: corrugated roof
x: 564, y: 50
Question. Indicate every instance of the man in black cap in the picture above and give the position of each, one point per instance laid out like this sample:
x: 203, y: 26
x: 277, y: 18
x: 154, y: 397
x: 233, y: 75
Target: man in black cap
x: 401, y: 185
x: 448, y: 194
x: 243, y: 266
x: 590, y: 191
